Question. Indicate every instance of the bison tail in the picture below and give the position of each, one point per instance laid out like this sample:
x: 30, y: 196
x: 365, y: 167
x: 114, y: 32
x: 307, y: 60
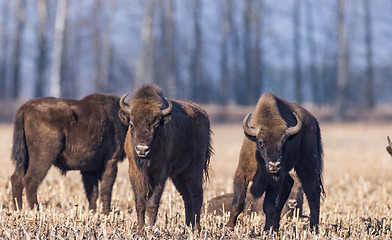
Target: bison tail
x: 320, y: 157
x: 19, y: 154
x: 209, y: 153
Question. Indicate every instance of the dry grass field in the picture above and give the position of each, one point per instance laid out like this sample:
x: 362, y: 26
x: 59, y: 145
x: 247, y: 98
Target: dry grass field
x: 357, y: 180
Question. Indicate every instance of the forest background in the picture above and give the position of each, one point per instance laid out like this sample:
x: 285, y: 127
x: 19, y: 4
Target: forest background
x: 334, y: 55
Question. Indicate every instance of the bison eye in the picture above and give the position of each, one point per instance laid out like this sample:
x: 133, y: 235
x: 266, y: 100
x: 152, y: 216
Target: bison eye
x: 261, y: 143
x: 157, y: 125
x: 131, y: 124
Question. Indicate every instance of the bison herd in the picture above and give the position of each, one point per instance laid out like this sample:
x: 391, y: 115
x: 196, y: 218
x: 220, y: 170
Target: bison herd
x: 281, y: 154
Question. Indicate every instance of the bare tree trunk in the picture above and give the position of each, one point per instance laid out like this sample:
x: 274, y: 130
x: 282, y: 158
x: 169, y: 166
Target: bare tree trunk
x: 313, y: 74
x: 166, y: 74
x: 225, y: 80
x: 97, y: 43
x: 42, y: 59
x: 61, y: 14
x: 199, y: 93
x: 17, y: 50
x: 172, y: 75
x: 107, y: 48
x: 257, y: 59
x: 247, y: 35
x: 342, y: 64
x: 4, y: 49
x: 370, y: 101
x: 102, y: 43
x: 297, y: 51
x: 144, y: 68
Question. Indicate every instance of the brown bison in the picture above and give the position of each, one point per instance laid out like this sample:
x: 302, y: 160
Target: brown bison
x: 279, y: 136
x: 389, y: 147
x: 85, y: 135
x: 221, y: 204
x: 166, y: 138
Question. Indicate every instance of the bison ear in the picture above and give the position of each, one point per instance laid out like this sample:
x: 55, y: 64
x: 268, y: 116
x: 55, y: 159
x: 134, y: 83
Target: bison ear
x: 123, y: 117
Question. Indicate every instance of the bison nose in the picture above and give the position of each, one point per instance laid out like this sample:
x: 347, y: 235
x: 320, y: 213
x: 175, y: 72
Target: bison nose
x: 292, y: 203
x: 273, y: 167
x: 142, y: 150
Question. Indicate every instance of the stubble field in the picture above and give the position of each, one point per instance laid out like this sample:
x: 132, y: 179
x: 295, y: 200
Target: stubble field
x: 357, y: 181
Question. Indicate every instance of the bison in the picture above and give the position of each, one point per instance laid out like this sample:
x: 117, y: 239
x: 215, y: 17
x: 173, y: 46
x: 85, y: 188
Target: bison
x: 279, y: 136
x: 221, y: 204
x: 85, y: 135
x: 389, y: 147
x: 166, y: 139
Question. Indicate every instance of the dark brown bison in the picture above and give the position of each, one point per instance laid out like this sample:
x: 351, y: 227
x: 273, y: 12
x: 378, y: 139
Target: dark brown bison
x: 221, y: 204
x: 85, y: 135
x: 279, y: 136
x: 389, y: 147
x: 166, y: 138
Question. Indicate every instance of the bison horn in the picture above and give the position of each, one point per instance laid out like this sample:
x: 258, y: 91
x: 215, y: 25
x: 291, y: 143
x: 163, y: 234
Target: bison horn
x: 249, y: 130
x: 295, y: 129
x: 389, y: 142
x: 124, y: 106
x: 167, y: 110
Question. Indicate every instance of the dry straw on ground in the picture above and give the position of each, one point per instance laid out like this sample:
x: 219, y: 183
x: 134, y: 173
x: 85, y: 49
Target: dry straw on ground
x: 357, y: 179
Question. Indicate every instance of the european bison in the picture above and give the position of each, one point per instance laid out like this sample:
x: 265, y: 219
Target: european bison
x: 85, y: 135
x: 279, y: 136
x: 389, y: 147
x: 166, y: 138
x: 221, y: 204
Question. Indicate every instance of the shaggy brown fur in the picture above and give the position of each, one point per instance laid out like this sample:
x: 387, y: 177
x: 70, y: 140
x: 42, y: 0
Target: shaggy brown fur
x: 279, y: 137
x: 85, y: 135
x: 160, y: 145
x: 221, y: 204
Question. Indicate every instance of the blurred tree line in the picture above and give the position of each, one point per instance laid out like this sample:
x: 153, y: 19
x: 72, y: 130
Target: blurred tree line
x: 336, y: 53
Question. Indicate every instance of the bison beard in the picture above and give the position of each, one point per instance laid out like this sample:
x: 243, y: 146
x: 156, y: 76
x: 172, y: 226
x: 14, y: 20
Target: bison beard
x: 85, y: 135
x: 279, y: 136
x: 166, y: 139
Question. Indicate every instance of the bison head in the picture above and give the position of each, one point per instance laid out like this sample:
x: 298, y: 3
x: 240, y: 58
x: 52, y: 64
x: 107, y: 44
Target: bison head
x: 389, y: 147
x: 145, y: 117
x: 271, y: 141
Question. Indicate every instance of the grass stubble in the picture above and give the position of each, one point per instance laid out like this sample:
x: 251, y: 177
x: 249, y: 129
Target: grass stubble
x: 357, y: 180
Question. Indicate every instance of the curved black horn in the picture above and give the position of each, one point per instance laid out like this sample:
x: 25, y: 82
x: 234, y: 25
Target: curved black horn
x: 389, y: 142
x: 124, y: 106
x: 167, y: 110
x: 249, y: 130
x: 295, y: 129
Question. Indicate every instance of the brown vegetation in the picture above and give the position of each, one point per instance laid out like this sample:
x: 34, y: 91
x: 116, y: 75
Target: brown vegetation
x: 357, y: 180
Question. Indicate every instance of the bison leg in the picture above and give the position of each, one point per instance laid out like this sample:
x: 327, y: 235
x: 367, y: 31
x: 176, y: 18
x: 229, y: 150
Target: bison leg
x: 90, y: 181
x: 153, y: 203
x: 196, y: 189
x: 282, y: 197
x: 311, y: 184
x: 237, y: 206
x: 17, y: 186
x: 190, y: 186
x: 33, y: 177
x: 181, y: 186
x: 269, y: 206
x: 108, y: 179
